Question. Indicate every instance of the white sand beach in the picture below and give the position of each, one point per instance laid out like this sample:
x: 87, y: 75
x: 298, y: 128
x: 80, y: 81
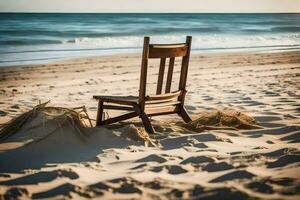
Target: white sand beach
x: 55, y: 161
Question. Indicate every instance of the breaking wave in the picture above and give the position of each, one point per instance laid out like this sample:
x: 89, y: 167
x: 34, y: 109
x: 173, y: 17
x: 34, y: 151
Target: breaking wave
x: 199, y: 42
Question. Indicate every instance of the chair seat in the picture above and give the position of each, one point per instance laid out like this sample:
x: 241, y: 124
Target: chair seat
x: 127, y: 100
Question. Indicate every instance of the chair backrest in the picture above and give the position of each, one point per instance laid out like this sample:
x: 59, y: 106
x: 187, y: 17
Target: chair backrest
x: 164, y: 52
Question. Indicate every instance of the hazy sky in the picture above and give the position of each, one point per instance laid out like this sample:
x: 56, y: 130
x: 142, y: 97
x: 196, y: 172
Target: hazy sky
x: 149, y: 5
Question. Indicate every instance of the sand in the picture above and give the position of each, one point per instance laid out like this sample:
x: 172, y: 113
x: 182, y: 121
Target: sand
x: 184, y: 161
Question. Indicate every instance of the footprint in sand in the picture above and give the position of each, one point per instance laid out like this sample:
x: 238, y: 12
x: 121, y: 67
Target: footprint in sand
x: 152, y: 158
x: 15, y: 193
x: 293, y: 138
x: 41, y: 177
x: 274, y: 131
x: 141, y: 166
x: 199, y: 192
x: 285, y: 181
x: 210, y: 138
x: 214, y: 167
x: 2, y: 113
x: 172, y: 169
x: 126, y: 185
x: 284, y: 161
x: 281, y: 152
x: 65, y: 189
x: 175, y: 194
x: 155, y: 185
x: 127, y: 188
x: 16, y: 106
x: 241, y: 174
x: 99, y: 186
x: 197, y: 160
x: 201, y: 145
x: 260, y: 186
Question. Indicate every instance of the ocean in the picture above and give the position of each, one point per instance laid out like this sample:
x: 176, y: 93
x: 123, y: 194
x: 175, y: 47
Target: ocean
x: 27, y: 38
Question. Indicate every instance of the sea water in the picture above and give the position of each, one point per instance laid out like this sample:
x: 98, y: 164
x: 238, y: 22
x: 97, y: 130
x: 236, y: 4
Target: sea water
x: 27, y: 38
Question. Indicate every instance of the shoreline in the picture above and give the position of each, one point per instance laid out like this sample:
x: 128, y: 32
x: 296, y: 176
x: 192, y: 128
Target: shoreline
x: 213, y: 51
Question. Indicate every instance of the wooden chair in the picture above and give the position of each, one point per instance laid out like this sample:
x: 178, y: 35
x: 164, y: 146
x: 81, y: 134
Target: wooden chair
x: 159, y: 104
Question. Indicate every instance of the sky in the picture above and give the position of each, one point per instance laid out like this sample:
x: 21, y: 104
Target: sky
x: 272, y: 6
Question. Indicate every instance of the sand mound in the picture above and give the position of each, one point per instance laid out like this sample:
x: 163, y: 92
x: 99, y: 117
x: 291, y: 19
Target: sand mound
x: 51, y: 135
x: 223, y: 119
x: 132, y: 132
x: 48, y: 119
x: 43, y: 115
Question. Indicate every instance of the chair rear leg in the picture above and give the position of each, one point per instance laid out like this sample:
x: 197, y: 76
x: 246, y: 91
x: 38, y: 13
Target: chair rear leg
x: 99, y: 120
x: 147, y: 123
x: 185, y: 116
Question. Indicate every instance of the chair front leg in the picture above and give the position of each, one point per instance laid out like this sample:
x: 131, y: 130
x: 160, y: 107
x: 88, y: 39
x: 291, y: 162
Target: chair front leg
x: 147, y: 123
x: 184, y: 114
x: 99, y: 120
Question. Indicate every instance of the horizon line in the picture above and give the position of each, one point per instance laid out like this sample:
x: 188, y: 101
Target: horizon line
x: 50, y: 12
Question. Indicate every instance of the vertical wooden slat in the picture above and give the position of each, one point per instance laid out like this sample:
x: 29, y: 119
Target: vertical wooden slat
x: 185, y: 65
x: 170, y: 74
x: 99, y: 120
x: 161, y: 75
x: 182, y: 83
x: 143, y: 78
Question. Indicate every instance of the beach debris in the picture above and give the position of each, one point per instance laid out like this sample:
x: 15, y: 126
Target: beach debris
x: 137, y: 134
x: 75, y: 117
x: 226, y: 118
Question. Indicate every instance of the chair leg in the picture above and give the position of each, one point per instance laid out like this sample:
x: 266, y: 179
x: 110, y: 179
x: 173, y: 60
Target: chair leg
x: 99, y: 120
x: 120, y: 118
x: 185, y: 116
x: 147, y: 123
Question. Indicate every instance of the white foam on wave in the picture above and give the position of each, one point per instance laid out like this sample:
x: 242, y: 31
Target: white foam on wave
x: 81, y: 47
x: 199, y: 41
